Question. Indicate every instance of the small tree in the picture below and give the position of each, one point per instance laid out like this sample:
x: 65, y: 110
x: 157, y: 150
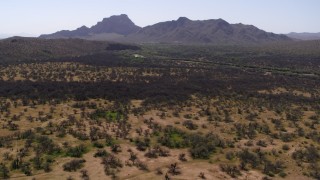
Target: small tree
x: 174, y: 169
x: 182, y: 157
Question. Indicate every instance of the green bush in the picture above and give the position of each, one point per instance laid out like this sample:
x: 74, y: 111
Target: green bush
x: 77, y: 151
x: 101, y: 153
x: 282, y: 174
x: 201, y: 146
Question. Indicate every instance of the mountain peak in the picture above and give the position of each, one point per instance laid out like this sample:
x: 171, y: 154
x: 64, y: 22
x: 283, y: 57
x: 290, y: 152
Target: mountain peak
x: 121, y: 16
x: 222, y: 21
x: 124, y: 15
x: 83, y: 27
x: 183, y: 19
x: 118, y: 24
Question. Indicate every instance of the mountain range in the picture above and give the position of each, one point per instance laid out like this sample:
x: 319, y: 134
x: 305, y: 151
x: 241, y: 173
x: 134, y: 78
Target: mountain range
x: 183, y: 30
x: 304, y: 36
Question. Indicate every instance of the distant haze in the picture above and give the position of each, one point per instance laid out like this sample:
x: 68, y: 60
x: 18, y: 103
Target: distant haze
x: 37, y: 17
x: 2, y: 36
x: 305, y: 36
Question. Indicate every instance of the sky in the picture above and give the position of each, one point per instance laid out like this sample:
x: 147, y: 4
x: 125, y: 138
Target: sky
x: 35, y: 17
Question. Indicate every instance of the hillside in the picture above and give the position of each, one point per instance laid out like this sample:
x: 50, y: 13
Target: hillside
x: 17, y: 49
x: 26, y: 48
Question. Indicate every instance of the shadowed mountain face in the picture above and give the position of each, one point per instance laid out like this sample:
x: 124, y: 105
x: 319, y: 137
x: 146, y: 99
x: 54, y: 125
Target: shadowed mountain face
x: 121, y: 25
x: 182, y: 30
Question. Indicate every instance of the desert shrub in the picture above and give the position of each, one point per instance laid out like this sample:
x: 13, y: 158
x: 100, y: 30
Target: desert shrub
x: 285, y: 147
x: 111, y: 163
x: 157, y: 151
x: 47, y: 167
x: 142, y: 145
x: 309, y: 154
x: 182, y: 157
x: 187, y: 116
x: 190, y: 125
x: 16, y: 163
x: 282, y: 174
x: 101, y: 153
x: 26, y: 168
x: 84, y: 174
x: 37, y: 162
x: 262, y: 143
x: 314, y: 135
x: 287, y: 137
x: 110, y: 141
x: 98, y: 144
x: 314, y: 170
x: 4, y: 171
x: 246, y: 130
x: 110, y: 116
x: 271, y: 168
x: 141, y: 165
x: 203, y: 146
x: 116, y: 148
x: 73, y: 165
x: 230, y: 155
x: 231, y: 170
x: 248, y: 157
x: 173, y: 138
x: 174, y: 169
x: 76, y: 151
x: 46, y: 145
x: 295, y: 115
x: 252, y: 116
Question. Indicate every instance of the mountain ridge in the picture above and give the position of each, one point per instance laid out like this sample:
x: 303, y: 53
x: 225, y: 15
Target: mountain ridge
x: 183, y: 30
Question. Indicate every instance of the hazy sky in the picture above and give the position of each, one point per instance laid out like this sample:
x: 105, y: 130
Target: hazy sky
x: 46, y: 16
